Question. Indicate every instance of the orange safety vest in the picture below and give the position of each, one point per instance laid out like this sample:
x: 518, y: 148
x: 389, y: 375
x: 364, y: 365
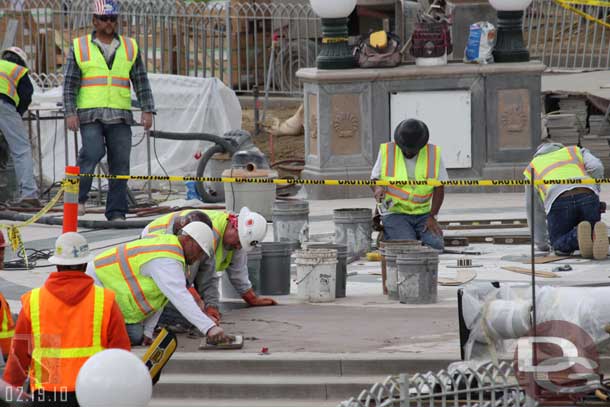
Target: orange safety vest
x: 65, y: 336
x: 7, y: 326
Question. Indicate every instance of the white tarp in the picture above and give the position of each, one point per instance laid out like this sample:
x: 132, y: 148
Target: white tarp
x: 184, y: 105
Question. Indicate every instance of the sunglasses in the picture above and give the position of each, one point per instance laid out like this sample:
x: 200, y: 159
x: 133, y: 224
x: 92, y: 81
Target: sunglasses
x: 112, y: 19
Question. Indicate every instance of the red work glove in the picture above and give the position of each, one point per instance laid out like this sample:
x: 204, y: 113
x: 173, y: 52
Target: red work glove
x: 213, y: 313
x: 197, y: 298
x: 254, y: 301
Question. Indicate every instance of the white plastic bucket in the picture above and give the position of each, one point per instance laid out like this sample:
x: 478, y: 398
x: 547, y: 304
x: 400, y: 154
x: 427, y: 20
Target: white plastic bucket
x: 316, y: 274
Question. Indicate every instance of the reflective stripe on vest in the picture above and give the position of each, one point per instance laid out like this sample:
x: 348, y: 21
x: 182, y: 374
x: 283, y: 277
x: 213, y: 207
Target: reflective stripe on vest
x: 102, y: 87
x: 7, y: 330
x: 220, y: 220
x: 39, y: 352
x: 410, y: 199
x: 567, y: 160
x: 119, y: 269
x: 10, y: 76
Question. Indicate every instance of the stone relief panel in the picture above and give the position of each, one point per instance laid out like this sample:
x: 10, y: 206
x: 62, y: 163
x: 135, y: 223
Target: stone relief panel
x: 346, y: 124
x: 313, y: 124
x: 514, y: 119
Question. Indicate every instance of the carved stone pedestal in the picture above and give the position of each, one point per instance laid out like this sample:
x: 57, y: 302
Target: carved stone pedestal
x: 348, y: 116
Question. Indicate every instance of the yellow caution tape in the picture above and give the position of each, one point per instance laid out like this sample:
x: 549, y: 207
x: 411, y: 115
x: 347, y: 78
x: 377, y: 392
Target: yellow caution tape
x: 14, y: 235
x: 569, y: 5
x: 358, y: 182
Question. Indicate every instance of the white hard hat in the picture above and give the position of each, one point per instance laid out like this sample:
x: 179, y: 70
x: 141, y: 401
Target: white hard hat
x: 203, y: 235
x: 252, y: 228
x: 113, y: 377
x: 19, y: 52
x: 71, y: 249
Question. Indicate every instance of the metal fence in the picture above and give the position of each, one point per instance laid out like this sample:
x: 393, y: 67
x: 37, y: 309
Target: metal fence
x: 564, y: 40
x: 260, y: 44
x: 488, y: 386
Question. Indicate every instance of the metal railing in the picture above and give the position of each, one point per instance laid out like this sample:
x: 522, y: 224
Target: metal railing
x: 488, y: 386
x: 564, y: 40
x: 260, y: 44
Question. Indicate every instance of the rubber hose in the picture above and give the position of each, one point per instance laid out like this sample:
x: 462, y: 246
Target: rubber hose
x: 227, y: 146
x: 207, y: 197
x: 88, y: 224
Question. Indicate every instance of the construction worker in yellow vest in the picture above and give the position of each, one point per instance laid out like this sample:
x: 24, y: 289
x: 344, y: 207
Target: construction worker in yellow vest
x: 409, y: 212
x: 100, y: 69
x: 148, y: 273
x: 236, y: 235
x: 16, y: 91
x: 572, y: 211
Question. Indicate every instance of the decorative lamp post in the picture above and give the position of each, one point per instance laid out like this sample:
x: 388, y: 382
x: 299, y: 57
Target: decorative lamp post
x: 335, y: 52
x: 509, y: 45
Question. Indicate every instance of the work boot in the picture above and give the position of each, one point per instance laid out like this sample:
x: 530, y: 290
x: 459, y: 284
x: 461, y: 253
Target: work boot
x: 600, y: 241
x: 585, y: 243
x: 81, y: 209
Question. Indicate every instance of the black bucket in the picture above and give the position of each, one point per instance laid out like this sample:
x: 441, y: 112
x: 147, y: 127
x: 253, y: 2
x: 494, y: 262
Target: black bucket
x: 275, y: 268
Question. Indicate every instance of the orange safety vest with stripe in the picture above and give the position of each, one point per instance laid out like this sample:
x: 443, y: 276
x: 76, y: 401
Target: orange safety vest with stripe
x: 65, y: 336
x: 100, y: 86
x: 565, y: 163
x: 10, y: 76
x: 7, y: 326
x: 118, y: 269
x: 407, y: 199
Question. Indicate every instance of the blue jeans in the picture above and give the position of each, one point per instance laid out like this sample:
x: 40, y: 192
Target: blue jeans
x: 99, y: 138
x: 16, y: 135
x: 135, y: 333
x: 565, y: 215
x: 398, y: 226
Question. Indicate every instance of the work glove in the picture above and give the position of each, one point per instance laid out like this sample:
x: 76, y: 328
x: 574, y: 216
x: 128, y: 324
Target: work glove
x: 254, y: 301
x: 197, y: 298
x: 213, y: 313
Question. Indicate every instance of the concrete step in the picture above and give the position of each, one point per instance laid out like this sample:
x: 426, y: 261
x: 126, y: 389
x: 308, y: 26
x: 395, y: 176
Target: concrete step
x: 301, y: 364
x: 241, y: 403
x: 262, y: 387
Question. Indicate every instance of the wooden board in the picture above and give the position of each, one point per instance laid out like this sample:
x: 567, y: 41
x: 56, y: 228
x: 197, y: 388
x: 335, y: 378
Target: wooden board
x: 521, y: 270
x: 462, y: 277
x: 456, y: 241
x: 545, y: 259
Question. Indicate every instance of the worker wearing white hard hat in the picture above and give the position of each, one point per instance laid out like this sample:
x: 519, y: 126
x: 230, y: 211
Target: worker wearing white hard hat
x: 148, y: 273
x: 67, y: 315
x: 16, y: 92
x: 238, y: 235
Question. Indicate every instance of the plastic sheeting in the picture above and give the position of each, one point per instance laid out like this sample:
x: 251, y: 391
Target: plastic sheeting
x: 586, y: 307
x: 184, y: 104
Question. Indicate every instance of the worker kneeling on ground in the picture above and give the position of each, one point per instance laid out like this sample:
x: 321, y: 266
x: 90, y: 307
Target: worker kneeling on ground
x: 147, y: 273
x: 409, y: 212
x: 236, y: 236
x: 573, y: 211
x: 61, y: 325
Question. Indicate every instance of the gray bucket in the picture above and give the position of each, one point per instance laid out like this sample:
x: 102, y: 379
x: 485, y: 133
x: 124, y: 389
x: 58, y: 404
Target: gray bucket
x: 353, y: 228
x: 290, y: 221
x: 254, y: 275
x: 392, y: 251
x: 341, y: 264
x: 275, y: 268
x: 417, y: 277
x: 390, y: 243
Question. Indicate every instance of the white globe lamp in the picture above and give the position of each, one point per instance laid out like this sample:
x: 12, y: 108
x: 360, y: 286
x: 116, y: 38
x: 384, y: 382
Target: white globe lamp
x: 509, y: 44
x: 334, y: 52
x: 114, y: 377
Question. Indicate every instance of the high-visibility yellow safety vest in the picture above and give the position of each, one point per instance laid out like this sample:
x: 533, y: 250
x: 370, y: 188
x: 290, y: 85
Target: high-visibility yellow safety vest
x: 65, y: 336
x: 565, y: 163
x: 412, y: 200
x: 10, y: 76
x: 165, y: 225
x: 100, y: 86
x: 119, y: 270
